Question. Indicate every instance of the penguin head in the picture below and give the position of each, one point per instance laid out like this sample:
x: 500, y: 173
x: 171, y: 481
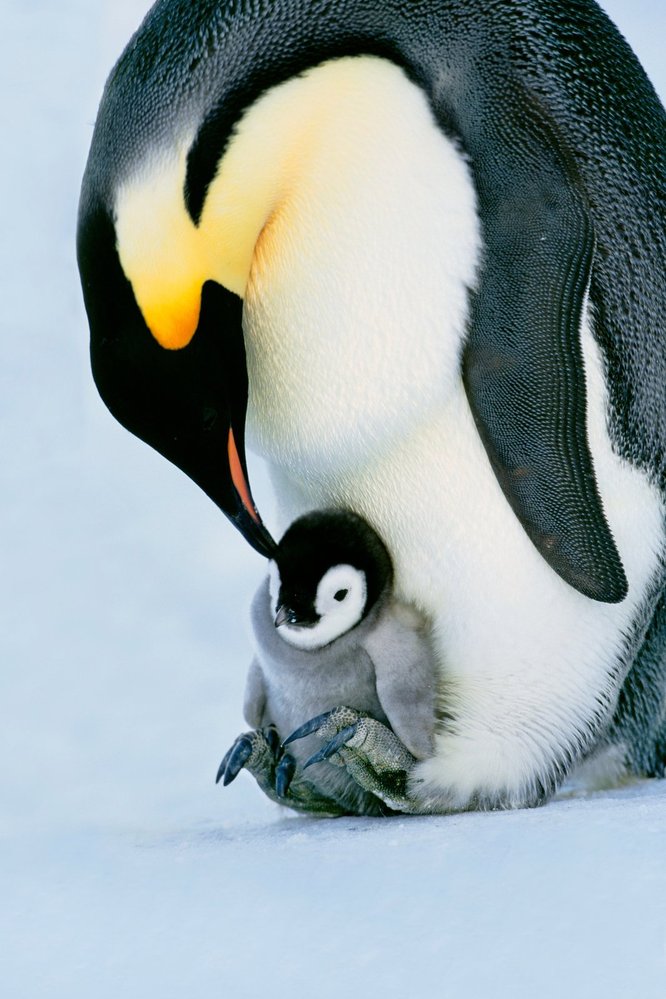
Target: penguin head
x: 327, y: 573
x: 205, y: 127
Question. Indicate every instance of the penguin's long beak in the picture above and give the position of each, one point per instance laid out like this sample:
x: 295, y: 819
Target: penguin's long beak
x: 188, y: 403
x: 246, y: 517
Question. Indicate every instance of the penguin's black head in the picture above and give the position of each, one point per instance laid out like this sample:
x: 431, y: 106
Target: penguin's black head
x: 188, y: 403
x: 327, y: 573
x: 196, y: 142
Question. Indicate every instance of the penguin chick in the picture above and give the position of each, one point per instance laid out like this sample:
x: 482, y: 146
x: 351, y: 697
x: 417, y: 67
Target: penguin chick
x: 329, y: 632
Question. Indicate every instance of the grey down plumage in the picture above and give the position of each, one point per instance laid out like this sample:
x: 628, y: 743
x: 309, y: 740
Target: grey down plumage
x: 384, y: 666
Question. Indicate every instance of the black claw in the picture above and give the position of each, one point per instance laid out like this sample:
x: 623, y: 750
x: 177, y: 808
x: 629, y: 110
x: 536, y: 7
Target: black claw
x: 273, y: 739
x: 223, y: 765
x: 333, y: 745
x: 283, y: 776
x: 309, y: 727
x: 239, y: 756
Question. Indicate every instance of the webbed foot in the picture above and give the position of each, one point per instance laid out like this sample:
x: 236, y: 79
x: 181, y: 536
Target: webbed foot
x: 261, y: 754
x: 368, y: 750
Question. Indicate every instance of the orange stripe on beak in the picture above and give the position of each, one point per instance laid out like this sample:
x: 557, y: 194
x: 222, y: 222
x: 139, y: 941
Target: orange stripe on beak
x: 238, y: 478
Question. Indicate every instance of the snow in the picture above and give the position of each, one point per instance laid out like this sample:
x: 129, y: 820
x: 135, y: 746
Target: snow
x: 125, y: 872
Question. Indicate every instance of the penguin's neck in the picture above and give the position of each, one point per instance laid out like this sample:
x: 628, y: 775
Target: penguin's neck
x: 357, y: 298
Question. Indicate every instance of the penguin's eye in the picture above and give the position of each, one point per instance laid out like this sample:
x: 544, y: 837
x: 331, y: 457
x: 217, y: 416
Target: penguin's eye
x: 340, y: 595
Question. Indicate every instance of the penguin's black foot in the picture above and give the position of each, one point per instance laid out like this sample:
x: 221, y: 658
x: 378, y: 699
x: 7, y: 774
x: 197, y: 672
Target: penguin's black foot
x: 260, y: 753
x: 368, y: 750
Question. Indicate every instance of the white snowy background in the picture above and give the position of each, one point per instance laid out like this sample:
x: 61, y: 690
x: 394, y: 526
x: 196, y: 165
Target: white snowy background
x: 124, y: 871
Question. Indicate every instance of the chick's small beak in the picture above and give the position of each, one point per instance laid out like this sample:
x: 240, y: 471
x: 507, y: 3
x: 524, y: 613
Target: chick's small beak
x: 295, y: 619
x: 284, y: 616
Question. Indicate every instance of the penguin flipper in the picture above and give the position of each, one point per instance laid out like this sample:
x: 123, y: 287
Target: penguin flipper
x: 405, y: 676
x: 523, y: 365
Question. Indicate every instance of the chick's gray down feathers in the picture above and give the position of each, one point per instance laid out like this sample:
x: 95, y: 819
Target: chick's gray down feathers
x: 385, y: 666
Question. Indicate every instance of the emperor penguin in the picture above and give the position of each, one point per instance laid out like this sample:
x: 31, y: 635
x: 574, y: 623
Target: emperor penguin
x: 424, y: 244
x: 330, y: 637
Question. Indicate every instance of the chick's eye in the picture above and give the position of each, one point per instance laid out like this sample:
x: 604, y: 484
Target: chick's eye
x: 340, y: 595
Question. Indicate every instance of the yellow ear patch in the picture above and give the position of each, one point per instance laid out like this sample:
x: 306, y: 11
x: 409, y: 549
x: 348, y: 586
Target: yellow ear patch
x: 294, y: 130
x: 159, y: 250
x: 167, y: 258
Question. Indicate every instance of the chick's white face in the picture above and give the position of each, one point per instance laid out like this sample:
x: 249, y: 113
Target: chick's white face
x: 339, y: 603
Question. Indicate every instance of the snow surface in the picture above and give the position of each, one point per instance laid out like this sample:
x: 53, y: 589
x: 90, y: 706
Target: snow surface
x: 124, y: 872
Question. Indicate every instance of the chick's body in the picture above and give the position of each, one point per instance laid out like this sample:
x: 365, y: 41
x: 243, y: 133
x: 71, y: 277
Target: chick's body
x: 384, y: 666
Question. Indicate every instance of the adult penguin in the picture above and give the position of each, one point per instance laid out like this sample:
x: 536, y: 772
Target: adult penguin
x: 440, y: 228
